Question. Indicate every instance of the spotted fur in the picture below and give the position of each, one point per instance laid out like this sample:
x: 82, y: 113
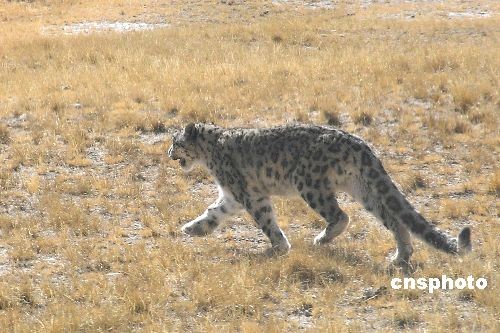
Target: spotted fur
x: 315, y: 162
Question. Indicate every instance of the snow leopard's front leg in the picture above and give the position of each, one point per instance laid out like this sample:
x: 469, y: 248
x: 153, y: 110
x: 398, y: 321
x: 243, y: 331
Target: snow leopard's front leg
x: 262, y: 211
x: 207, y: 222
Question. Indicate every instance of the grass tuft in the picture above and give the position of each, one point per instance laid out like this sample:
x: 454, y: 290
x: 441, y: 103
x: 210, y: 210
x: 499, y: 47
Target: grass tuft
x: 4, y: 134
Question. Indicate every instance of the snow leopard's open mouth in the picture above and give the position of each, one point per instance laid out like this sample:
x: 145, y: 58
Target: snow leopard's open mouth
x: 182, y: 161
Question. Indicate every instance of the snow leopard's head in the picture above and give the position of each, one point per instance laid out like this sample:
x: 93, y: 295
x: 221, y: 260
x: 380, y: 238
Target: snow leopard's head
x: 184, y: 147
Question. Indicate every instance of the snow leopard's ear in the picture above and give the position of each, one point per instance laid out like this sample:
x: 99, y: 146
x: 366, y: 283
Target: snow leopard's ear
x: 191, y: 132
x: 174, y: 131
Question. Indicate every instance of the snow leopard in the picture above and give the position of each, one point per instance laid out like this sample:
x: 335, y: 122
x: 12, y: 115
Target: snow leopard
x: 250, y: 165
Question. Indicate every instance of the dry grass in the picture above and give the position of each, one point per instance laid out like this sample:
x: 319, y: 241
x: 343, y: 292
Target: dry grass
x: 91, y: 207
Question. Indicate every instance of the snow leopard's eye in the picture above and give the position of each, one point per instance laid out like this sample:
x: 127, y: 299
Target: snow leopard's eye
x: 178, y: 140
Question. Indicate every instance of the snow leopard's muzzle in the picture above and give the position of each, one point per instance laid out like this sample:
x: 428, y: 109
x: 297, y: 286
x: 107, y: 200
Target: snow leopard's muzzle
x: 183, y: 147
x: 173, y: 156
x: 184, y: 156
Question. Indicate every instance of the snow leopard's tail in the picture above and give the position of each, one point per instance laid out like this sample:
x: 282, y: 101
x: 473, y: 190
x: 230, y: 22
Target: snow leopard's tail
x: 391, y: 206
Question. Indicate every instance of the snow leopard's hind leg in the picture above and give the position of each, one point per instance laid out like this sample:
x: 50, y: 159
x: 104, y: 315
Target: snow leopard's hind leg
x: 404, y: 246
x: 384, y: 209
x: 262, y: 211
x: 323, y: 201
x: 403, y: 242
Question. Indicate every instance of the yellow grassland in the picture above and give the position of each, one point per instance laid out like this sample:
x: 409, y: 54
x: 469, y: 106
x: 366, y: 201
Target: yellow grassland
x: 91, y: 206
